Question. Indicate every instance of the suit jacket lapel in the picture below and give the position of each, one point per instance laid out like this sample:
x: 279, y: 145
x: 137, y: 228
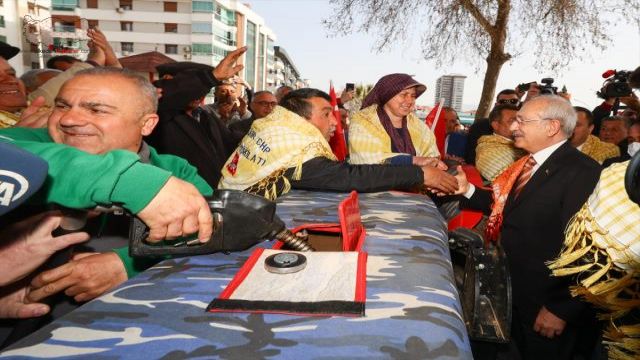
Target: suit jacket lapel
x: 546, y: 170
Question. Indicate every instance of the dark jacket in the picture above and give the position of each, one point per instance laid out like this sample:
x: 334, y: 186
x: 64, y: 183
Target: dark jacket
x: 201, y: 139
x: 322, y: 174
x: 533, y: 231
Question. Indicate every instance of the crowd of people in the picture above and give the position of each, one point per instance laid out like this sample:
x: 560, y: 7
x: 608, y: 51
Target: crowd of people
x: 106, y: 136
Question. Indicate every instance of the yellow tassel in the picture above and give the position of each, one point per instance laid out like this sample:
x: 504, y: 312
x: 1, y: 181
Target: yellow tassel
x: 568, y: 258
x: 570, y: 270
x: 597, y: 275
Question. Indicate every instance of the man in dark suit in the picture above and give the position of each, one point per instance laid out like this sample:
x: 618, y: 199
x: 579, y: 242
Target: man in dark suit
x: 546, y: 319
x: 186, y: 130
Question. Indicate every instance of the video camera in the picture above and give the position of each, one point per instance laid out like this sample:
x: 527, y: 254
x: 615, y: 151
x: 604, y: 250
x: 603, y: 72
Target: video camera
x: 616, y: 84
x: 546, y: 88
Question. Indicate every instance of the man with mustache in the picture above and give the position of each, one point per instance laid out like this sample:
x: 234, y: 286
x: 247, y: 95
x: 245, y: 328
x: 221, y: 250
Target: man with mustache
x: 289, y: 149
x: 96, y: 156
x: 531, y: 203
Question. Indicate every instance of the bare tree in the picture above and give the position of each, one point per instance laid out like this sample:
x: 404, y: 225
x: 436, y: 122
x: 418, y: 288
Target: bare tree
x: 555, y: 32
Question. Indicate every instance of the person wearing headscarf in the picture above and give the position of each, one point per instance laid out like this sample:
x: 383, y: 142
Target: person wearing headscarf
x: 386, y: 130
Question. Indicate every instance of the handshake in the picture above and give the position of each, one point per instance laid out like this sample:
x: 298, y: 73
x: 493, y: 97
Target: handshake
x: 442, y: 179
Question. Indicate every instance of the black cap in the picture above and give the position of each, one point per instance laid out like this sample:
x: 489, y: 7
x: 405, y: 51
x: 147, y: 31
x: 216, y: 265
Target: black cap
x: 7, y: 51
x: 174, y: 68
x: 21, y: 175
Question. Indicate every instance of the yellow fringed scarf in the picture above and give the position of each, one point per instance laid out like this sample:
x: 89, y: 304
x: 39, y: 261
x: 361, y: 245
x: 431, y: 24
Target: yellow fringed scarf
x: 494, y: 154
x: 602, y: 248
x: 369, y: 143
x: 599, y: 150
x: 280, y: 141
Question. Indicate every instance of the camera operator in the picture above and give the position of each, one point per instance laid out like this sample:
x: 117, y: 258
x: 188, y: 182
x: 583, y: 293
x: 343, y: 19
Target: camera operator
x: 614, y: 89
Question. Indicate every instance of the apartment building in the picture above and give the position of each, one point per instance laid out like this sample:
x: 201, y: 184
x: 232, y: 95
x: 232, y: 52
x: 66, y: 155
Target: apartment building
x: 285, y: 72
x: 14, y: 30
x: 198, y: 31
x: 451, y: 88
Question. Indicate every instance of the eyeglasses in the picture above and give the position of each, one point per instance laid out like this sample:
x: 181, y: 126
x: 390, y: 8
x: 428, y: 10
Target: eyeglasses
x: 522, y: 121
x: 267, y: 103
x: 508, y: 101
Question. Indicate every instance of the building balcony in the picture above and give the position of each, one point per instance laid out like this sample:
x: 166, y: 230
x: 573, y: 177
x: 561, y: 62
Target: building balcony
x: 64, y: 28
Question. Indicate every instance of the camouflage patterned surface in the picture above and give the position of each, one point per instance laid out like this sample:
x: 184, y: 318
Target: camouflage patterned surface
x: 412, y: 309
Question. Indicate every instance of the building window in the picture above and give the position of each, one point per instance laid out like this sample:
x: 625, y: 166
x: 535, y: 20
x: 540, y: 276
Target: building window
x: 65, y: 5
x: 126, y: 46
x: 31, y: 8
x: 35, y: 65
x: 59, y: 26
x: 170, y: 6
x: 201, y: 28
x: 202, y: 6
x: 3, y: 38
x: 170, y: 49
x: 171, y: 28
x: 126, y: 26
x: 1, y: 21
x: 126, y: 4
x: 202, y: 49
x: 226, y: 16
x: 92, y: 4
x: 250, y: 56
x: 92, y: 23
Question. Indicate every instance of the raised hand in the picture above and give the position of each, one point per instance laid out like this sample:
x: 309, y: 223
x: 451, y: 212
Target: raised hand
x: 227, y: 68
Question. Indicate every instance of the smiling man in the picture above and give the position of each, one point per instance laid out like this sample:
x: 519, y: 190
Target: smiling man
x: 13, y: 95
x: 289, y: 149
x: 530, y: 205
x: 96, y: 156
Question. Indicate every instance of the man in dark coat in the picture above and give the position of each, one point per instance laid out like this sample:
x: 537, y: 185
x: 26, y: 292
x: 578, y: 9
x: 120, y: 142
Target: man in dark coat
x: 184, y: 129
x: 533, y: 200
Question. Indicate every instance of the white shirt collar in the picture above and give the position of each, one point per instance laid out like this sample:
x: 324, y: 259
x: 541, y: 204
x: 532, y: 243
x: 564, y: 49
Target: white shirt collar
x: 542, y: 155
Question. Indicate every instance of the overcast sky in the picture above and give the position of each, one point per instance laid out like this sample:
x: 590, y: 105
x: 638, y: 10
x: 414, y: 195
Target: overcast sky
x: 350, y: 58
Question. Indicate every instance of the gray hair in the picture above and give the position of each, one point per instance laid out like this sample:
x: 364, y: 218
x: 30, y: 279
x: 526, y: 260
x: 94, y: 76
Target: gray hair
x: 557, y: 108
x: 30, y: 78
x: 147, y: 90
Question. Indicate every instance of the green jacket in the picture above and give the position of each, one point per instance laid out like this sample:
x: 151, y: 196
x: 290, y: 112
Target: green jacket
x: 106, y: 179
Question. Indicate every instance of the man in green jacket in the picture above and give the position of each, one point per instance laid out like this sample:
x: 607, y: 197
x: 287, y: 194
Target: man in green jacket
x: 96, y: 156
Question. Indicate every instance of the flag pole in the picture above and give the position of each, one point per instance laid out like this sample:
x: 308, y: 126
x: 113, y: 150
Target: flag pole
x: 435, y: 121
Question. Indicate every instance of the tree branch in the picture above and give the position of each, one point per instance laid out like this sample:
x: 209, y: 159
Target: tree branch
x: 475, y: 12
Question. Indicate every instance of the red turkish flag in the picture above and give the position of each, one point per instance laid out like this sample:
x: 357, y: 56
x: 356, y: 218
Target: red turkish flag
x: 337, y: 142
x: 435, y: 121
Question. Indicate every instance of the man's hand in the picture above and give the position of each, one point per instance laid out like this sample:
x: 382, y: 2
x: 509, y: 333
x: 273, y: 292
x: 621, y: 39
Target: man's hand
x: 13, y: 303
x: 347, y: 96
x: 226, y: 109
x: 29, y: 243
x: 439, y: 181
x: 86, y: 276
x: 631, y: 101
x: 96, y: 54
x: 35, y: 115
x: 99, y: 40
x: 242, y: 108
x: 227, y: 68
x: 463, y: 182
x: 177, y: 210
x: 548, y: 325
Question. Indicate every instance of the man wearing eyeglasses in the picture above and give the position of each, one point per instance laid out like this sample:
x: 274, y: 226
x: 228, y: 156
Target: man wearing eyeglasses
x: 261, y: 105
x: 482, y: 127
x: 534, y: 200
